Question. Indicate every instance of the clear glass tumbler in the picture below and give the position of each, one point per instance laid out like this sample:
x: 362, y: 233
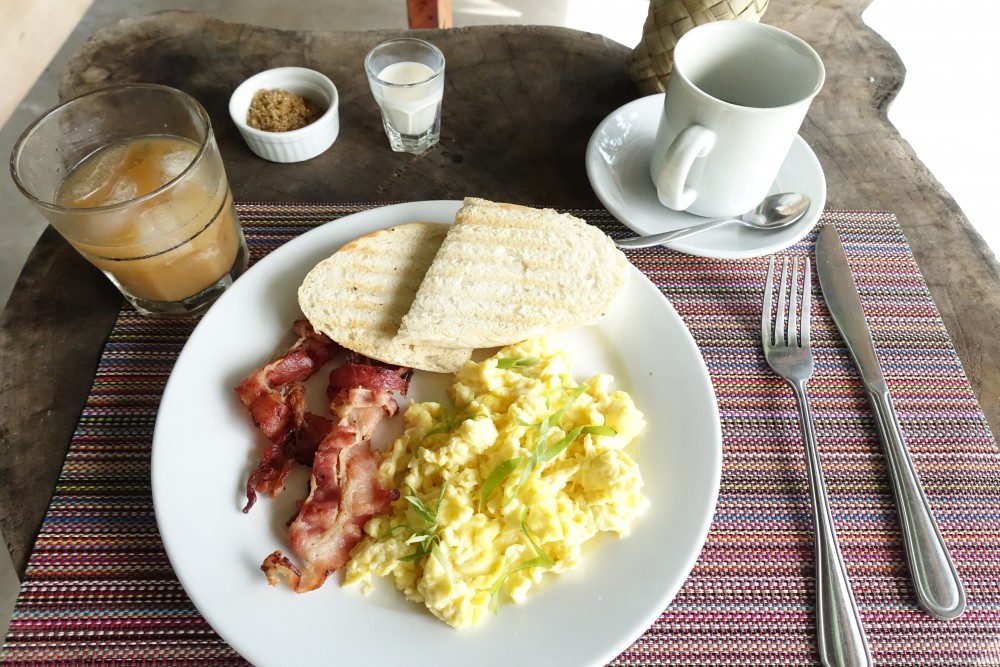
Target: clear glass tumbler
x: 406, y: 76
x: 132, y: 177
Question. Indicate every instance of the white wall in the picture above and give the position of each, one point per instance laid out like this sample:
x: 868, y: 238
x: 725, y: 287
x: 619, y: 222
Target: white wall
x: 947, y: 108
x: 30, y: 32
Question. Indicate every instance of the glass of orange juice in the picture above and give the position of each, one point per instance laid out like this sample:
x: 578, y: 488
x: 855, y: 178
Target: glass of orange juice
x: 132, y: 177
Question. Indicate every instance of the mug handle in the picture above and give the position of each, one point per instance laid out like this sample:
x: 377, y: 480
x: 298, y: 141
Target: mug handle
x: 693, y: 142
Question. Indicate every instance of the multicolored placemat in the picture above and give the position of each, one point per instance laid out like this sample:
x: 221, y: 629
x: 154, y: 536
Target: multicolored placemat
x: 99, y: 590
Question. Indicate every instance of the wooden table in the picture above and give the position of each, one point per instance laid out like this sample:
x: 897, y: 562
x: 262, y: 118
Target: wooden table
x: 520, y: 105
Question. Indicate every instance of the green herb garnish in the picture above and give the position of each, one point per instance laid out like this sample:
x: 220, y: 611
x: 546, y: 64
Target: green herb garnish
x: 509, y: 363
x: 427, y: 539
x: 541, y: 559
x: 496, y: 477
x: 542, y: 452
x: 553, y: 451
x: 450, y: 420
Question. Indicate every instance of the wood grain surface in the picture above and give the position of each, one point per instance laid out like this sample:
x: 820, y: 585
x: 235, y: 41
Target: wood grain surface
x: 520, y: 105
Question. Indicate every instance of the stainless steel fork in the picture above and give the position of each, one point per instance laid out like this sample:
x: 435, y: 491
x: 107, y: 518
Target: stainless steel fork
x: 840, y: 639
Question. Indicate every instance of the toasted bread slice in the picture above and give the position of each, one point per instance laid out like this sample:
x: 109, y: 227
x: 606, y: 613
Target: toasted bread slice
x: 506, y: 273
x: 358, y: 295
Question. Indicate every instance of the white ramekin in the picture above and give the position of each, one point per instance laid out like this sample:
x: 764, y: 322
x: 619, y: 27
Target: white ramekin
x: 295, y: 145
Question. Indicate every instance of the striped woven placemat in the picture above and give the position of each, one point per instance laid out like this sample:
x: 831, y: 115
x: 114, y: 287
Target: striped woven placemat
x: 99, y: 590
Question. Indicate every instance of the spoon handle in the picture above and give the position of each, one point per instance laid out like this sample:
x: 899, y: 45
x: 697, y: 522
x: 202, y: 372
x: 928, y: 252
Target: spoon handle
x: 665, y: 237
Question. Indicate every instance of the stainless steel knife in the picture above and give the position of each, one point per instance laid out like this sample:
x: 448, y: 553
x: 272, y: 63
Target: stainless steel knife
x: 938, y: 588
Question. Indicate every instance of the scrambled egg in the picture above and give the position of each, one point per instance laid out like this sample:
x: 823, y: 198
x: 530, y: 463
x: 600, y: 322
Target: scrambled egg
x: 505, y: 485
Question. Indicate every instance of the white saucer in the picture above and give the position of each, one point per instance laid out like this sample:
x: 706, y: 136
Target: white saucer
x: 618, y: 167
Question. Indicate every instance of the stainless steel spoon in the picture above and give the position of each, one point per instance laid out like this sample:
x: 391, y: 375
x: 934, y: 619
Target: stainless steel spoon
x: 776, y: 211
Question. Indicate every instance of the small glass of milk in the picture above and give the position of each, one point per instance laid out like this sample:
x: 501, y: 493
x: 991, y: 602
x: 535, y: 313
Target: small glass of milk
x: 407, y: 79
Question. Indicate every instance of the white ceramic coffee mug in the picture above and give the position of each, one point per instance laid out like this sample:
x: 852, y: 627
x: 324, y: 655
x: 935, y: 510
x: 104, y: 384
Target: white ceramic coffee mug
x: 735, y: 101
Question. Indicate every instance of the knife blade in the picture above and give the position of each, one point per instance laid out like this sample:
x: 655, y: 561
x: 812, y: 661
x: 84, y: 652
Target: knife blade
x: 938, y: 587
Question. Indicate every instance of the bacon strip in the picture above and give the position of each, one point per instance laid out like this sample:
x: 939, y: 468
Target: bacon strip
x: 345, y: 490
x: 264, y: 391
x: 357, y: 374
x: 345, y: 495
x: 276, y: 402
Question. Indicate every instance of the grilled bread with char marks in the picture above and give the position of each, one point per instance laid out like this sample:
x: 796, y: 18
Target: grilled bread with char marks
x: 506, y: 273
x: 358, y: 295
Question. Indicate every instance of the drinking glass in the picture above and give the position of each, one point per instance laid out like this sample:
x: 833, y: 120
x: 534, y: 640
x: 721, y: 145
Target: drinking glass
x: 406, y: 76
x: 132, y: 177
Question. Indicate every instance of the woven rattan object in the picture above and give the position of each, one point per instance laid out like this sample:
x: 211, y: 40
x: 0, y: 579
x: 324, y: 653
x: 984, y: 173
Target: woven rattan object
x: 653, y: 59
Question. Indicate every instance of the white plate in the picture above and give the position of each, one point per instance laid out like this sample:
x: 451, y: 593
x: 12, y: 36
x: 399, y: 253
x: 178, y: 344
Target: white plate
x: 618, y: 167
x: 203, y: 448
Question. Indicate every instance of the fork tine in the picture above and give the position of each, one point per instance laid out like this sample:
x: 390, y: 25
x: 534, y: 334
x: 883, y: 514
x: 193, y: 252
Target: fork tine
x: 779, y: 320
x: 806, y: 303
x: 793, y: 294
x: 765, y: 312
